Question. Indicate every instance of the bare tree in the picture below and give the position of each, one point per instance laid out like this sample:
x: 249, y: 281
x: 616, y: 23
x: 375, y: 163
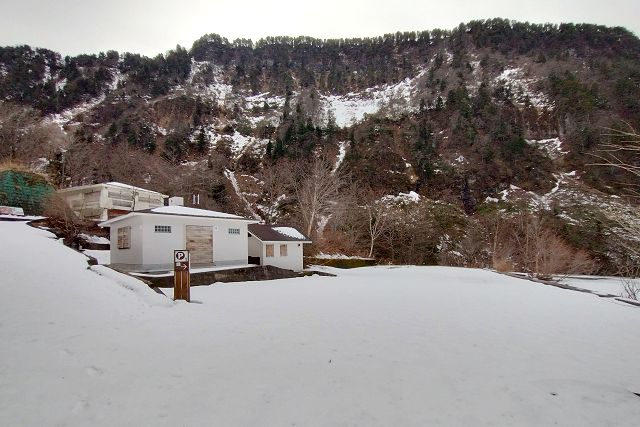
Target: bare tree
x: 276, y: 178
x: 377, y: 216
x: 316, y: 188
x: 623, y: 153
x: 23, y: 135
x: 626, y: 227
x: 534, y: 248
x: 630, y: 277
x: 98, y: 162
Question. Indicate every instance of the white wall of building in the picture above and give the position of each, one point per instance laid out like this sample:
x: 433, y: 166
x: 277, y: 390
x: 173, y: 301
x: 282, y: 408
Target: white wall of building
x: 151, y: 250
x: 94, y: 201
x: 292, y: 261
x: 133, y: 255
x: 227, y: 248
x: 256, y: 249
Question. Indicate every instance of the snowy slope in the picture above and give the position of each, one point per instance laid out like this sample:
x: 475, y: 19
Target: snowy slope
x: 353, y: 107
x: 373, y: 347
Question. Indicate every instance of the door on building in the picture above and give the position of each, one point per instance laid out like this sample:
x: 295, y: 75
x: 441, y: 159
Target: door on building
x: 200, y: 244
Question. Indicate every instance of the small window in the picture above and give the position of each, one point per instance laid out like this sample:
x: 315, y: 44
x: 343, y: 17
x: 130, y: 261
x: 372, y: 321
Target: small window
x: 270, y: 251
x: 283, y: 250
x: 124, y: 237
x: 234, y: 231
x: 162, y: 228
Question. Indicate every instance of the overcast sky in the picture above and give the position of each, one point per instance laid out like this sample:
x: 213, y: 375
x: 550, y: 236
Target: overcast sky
x: 155, y: 26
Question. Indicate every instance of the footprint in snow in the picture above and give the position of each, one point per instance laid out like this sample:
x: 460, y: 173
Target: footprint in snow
x: 93, y: 371
x: 65, y: 352
x: 80, y: 406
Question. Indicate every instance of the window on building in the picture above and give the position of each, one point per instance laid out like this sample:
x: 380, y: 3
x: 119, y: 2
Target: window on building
x: 162, y: 228
x: 269, y: 250
x: 234, y: 231
x: 124, y: 237
x: 283, y: 250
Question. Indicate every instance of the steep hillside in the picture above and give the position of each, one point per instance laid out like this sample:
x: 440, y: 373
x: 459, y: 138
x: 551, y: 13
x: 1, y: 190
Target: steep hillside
x: 461, y: 116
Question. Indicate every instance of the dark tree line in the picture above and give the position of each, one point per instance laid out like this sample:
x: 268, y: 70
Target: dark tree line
x: 279, y: 64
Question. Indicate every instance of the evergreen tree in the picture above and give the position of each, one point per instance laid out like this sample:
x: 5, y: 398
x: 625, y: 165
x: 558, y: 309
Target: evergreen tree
x: 269, y: 149
x: 439, y: 104
x: 112, y: 132
x: 202, y: 141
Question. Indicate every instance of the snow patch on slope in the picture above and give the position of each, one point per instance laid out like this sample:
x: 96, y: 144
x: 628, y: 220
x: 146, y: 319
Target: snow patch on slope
x: 523, y: 88
x: 67, y: 116
x: 208, y: 81
x: 60, y: 84
x: 552, y: 146
x: 352, y: 107
x: 231, y: 176
x: 238, y: 143
x: 342, y: 151
x: 117, y: 78
x: 410, y: 197
x: 256, y: 113
x: 47, y: 74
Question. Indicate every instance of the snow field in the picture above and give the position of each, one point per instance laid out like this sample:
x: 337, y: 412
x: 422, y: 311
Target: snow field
x: 374, y: 347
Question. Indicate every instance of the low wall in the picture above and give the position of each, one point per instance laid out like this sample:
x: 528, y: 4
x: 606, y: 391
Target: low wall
x: 244, y: 274
x: 340, y: 262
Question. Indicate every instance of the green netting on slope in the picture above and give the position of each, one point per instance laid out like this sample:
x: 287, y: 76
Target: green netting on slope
x: 25, y: 190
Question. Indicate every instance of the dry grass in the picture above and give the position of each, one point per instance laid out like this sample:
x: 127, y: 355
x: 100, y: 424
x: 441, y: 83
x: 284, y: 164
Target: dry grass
x: 10, y: 165
x: 57, y: 209
x: 502, y: 265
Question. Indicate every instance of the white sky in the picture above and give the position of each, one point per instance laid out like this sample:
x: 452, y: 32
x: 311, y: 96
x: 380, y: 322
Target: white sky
x: 155, y: 26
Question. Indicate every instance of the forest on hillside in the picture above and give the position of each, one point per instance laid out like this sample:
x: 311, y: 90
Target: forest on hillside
x: 462, y: 130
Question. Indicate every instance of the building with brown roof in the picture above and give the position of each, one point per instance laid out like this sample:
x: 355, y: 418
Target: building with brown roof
x: 275, y: 245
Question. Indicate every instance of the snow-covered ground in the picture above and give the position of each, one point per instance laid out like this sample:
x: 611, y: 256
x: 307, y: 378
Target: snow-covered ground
x: 378, y: 346
x: 102, y: 256
x: 94, y: 239
x: 597, y: 284
x: 322, y: 255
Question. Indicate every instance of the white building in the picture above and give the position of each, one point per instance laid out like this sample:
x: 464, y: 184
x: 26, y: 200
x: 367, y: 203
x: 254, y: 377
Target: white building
x: 277, y: 245
x: 108, y: 200
x: 145, y: 240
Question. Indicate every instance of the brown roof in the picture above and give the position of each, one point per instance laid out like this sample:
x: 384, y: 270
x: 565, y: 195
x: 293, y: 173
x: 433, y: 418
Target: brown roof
x: 267, y: 233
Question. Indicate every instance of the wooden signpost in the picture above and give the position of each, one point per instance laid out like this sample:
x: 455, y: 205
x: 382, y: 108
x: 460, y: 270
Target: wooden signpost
x: 181, y: 276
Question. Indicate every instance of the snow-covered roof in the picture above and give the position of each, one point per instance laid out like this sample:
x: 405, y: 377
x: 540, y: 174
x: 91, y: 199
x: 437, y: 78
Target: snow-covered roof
x: 131, y: 187
x: 290, y: 232
x: 269, y: 233
x: 111, y: 184
x: 183, y: 210
x: 177, y: 211
x: 9, y: 217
